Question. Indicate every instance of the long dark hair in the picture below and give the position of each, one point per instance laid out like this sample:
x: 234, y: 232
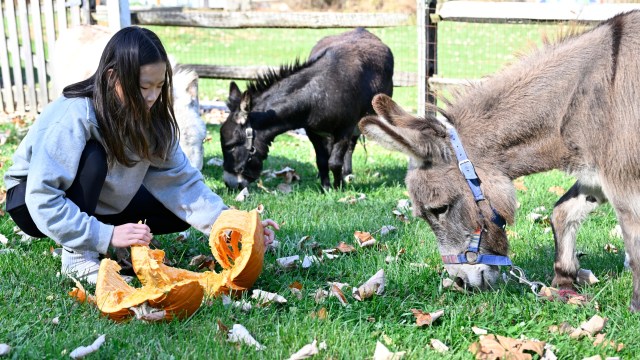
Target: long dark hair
x: 127, y: 124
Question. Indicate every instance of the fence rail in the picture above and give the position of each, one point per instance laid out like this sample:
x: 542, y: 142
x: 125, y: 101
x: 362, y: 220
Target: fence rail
x: 23, y: 49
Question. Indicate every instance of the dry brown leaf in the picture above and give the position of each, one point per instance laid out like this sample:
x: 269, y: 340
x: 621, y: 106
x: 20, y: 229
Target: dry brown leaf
x: 611, y: 248
x: 375, y: 285
x: 401, y: 216
x: 335, y: 291
x: 320, y: 295
x: 594, y: 325
x: 83, y: 351
x: 424, y: 318
x: 295, y: 285
x: 558, y: 190
x: 364, y: 238
x: 345, y: 248
x: 438, y: 346
x: 320, y: 314
x: 382, y: 353
x: 499, y: 347
x: 519, y: 184
x: 288, y: 174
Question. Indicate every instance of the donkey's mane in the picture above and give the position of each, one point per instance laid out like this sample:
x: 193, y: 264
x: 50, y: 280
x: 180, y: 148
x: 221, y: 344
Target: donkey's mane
x: 272, y: 76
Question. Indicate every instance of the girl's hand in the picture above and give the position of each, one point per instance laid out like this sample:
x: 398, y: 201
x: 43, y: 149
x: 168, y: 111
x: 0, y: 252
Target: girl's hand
x: 269, y: 235
x: 131, y: 234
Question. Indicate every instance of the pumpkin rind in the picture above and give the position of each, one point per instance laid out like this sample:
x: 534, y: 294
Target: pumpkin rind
x: 114, y: 297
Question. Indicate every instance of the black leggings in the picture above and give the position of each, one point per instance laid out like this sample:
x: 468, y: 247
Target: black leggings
x: 84, y: 192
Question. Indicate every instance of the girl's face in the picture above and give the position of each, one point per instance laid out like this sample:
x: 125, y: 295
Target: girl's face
x: 151, y: 81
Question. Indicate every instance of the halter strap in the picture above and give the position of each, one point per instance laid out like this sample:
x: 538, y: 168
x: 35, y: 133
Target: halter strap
x: 472, y: 255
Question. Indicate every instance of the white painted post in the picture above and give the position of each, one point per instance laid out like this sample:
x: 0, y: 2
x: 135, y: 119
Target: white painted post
x: 118, y: 14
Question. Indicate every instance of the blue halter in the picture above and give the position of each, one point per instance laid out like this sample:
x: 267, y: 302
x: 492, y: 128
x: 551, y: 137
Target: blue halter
x: 472, y: 255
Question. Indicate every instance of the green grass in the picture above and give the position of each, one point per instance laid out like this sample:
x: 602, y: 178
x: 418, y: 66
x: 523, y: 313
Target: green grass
x: 31, y: 294
x: 274, y: 47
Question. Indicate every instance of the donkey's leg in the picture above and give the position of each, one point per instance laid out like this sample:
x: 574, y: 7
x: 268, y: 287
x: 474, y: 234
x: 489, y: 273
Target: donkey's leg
x: 627, y: 209
x: 323, y: 149
x: 568, y: 214
x: 336, y: 161
x: 347, y: 167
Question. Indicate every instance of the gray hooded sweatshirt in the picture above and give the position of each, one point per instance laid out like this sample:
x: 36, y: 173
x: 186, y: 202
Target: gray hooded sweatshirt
x: 50, y: 154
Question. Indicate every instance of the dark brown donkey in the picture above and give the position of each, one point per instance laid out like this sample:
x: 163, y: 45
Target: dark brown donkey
x: 572, y: 105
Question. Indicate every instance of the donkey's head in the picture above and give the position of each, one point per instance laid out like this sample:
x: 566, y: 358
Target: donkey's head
x: 442, y: 196
x: 242, y: 154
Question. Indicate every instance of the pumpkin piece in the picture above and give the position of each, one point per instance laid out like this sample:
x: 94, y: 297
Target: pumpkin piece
x: 151, y: 271
x: 114, y: 297
x: 237, y: 243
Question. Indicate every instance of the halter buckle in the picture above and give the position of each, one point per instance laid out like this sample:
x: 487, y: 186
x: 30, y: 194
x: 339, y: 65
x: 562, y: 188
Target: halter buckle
x: 471, y: 256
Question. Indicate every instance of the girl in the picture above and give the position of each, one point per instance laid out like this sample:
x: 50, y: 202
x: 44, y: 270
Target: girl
x: 104, y: 156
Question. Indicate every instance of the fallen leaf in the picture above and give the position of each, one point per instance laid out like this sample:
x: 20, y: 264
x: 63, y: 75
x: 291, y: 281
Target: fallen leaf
x: 401, y: 216
x: 382, y: 353
x: 586, y: 277
x: 375, y: 285
x: 387, y: 229
x: 439, y: 346
x: 558, y: 190
x: 519, y: 184
x: 500, y: 347
x: 83, y: 351
x: 307, y: 261
x: 337, y: 292
x: 611, y: 248
x: 4, y: 349
x: 144, y: 312
x: 424, y: 318
x: 288, y: 174
x: 267, y: 298
x: 594, y: 325
x: 302, y: 241
x: 364, y: 238
x: 320, y: 314
x: 288, y: 262
x: 351, y: 199
x: 345, y: 248
x: 306, y: 351
x: 3, y: 240
x: 242, y: 196
x: 240, y: 334
x: 478, y: 331
x: 320, y: 295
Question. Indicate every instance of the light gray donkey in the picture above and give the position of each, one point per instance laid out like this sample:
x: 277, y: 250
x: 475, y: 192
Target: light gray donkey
x: 572, y: 105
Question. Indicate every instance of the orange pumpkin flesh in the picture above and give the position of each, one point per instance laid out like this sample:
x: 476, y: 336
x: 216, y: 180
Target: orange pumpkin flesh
x: 236, y: 242
x: 114, y: 297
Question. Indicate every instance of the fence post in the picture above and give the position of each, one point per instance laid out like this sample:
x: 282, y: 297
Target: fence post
x: 427, y: 57
x: 119, y: 15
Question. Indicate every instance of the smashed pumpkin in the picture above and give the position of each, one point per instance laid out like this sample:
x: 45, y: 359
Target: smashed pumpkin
x: 115, y: 298
x: 237, y: 243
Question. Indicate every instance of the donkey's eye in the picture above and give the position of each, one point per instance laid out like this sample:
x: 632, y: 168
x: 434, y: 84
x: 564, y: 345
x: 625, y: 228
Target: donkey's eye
x: 439, y: 210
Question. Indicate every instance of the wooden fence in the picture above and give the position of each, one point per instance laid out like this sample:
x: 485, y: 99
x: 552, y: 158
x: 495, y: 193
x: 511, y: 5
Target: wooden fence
x: 491, y: 12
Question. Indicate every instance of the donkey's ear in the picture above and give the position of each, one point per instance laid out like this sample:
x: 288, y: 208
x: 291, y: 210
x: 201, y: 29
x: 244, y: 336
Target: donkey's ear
x: 245, y: 102
x: 233, y: 102
x: 392, y: 112
x: 397, y: 116
x: 420, y: 146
